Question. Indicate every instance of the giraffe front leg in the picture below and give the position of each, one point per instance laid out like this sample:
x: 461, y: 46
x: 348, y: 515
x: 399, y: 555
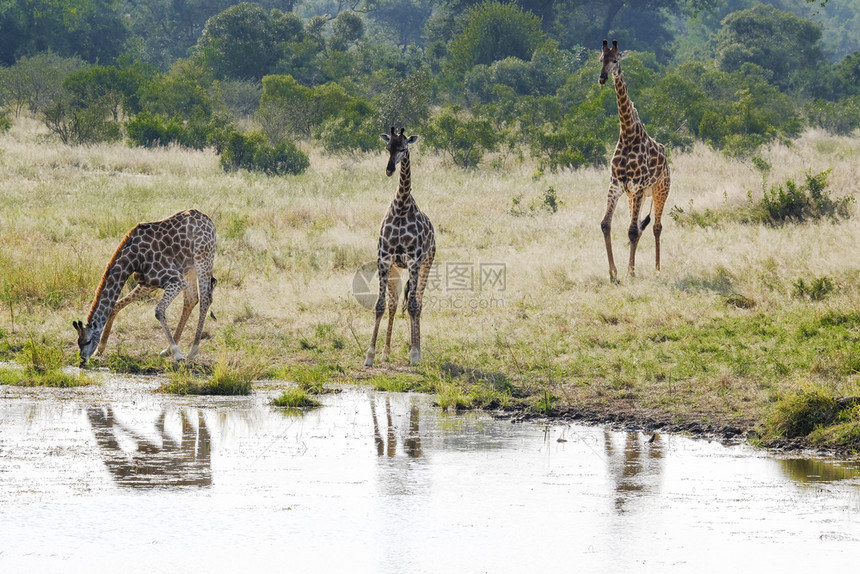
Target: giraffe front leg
x: 380, y: 310
x: 171, y: 290
x: 393, y: 294
x: 139, y: 292
x: 190, y: 298
x: 606, y: 227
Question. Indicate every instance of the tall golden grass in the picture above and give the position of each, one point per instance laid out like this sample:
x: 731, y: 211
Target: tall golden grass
x: 289, y: 248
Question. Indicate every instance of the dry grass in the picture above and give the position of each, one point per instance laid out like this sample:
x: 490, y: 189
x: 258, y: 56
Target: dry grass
x: 289, y: 247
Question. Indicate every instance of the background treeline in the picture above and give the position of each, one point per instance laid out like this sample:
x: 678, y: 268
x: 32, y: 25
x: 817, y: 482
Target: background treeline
x: 478, y: 80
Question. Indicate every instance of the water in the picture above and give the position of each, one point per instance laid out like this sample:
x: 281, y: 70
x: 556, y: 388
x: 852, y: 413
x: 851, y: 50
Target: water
x: 117, y: 478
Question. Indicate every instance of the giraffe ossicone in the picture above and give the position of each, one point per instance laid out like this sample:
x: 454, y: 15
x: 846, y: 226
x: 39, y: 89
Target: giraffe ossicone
x: 638, y: 168
x: 175, y: 254
x: 406, y: 241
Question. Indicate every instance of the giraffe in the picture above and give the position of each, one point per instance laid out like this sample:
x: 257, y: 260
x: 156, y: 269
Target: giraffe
x: 406, y: 240
x: 639, y: 167
x: 175, y: 254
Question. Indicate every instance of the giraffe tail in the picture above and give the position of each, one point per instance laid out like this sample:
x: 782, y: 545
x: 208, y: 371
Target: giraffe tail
x: 406, y: 291
x: 647, y: 219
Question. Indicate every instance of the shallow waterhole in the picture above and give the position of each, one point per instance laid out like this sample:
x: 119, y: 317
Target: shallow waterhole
x: 117, y: 477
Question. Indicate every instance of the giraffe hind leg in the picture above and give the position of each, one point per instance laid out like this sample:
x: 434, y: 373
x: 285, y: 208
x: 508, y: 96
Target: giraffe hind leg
x: 205, y: 285
x: 660, y: 196
x: 416, y: 294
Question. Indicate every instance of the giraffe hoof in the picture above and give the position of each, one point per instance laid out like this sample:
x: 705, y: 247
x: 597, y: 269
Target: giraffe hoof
x: 368, y: 362
x: 414, y: 356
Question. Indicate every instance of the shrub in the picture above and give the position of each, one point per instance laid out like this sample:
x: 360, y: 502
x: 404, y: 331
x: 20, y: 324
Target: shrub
x: 153, y: 130
x: 816, y: 290
x: 252, y: 152
x: 463, y: 139
x: 795, y: 203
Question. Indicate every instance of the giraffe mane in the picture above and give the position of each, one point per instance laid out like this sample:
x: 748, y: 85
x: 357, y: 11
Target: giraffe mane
x: 107, y: 269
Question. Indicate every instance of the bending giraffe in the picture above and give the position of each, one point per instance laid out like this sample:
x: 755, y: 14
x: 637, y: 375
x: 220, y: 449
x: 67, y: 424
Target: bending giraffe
x: 175, y: 254
x: 639, y: 167
x: 406, y: 241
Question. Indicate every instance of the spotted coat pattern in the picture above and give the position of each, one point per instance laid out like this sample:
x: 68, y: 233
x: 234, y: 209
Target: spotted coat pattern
x: 638, y: 168
x: 175, y: 254
x: 406, y: 241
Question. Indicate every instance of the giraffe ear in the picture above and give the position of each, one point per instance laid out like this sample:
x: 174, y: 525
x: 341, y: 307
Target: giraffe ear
x: 385, y: 138
x: 624, y: 54
x: 412, y: 140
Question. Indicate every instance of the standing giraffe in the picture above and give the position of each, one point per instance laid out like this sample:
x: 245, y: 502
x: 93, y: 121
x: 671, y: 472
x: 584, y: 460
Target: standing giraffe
x: 639, y: 167
x: 406, y: 240
x: 175, y: 254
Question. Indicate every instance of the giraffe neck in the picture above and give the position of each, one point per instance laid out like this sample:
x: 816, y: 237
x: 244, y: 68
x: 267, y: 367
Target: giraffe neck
x: 117, y: 273
x: 403, y: 199
x: 627, y: 114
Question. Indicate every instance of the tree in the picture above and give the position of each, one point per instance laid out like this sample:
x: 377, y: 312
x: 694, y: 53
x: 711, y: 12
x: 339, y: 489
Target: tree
x: 779, y: 42
x: 242, y: 42
x: 93, y: 30
x: 404, y: 20
x: 495, y: 31
x: 35, y: 81
x: 346, y: 29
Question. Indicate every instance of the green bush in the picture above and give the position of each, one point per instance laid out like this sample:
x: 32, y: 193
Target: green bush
x: 153, y: 130
x: 253, y: 152
x: 461, y: 138
x: 795, y: 203
x: 816, y: 290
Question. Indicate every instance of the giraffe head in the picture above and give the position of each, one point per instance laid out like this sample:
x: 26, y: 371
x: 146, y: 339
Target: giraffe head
x: 397, y: 145
x: 88, y: 340
x: 610, y: 60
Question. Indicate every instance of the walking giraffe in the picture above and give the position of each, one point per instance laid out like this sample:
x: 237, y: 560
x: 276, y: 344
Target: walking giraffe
x: 406, y: 241
x: 175, y: 254
x: 639, y: 167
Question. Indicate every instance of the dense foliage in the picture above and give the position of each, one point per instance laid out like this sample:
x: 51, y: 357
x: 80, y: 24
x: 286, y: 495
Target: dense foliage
x: 477, y: 77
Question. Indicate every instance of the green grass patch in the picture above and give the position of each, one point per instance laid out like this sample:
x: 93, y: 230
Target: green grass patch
x: 310, y: 377
x: 121, y: 362
x: 43, y: 365
x: 815, y: 414
x: 399, y: 383
x: 295, y: 398
x: 57, y: 379
x: 228, y: 378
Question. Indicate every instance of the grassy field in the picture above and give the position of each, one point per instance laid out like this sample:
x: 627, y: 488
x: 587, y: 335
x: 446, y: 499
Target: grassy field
x: 743, y: 321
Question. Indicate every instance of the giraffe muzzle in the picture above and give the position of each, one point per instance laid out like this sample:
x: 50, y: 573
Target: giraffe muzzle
x: 602, y: 79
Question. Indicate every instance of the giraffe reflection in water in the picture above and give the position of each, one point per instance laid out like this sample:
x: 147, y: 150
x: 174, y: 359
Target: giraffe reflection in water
x: 635, y: 468
x: 388, y: 446
x: 168, y: 462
